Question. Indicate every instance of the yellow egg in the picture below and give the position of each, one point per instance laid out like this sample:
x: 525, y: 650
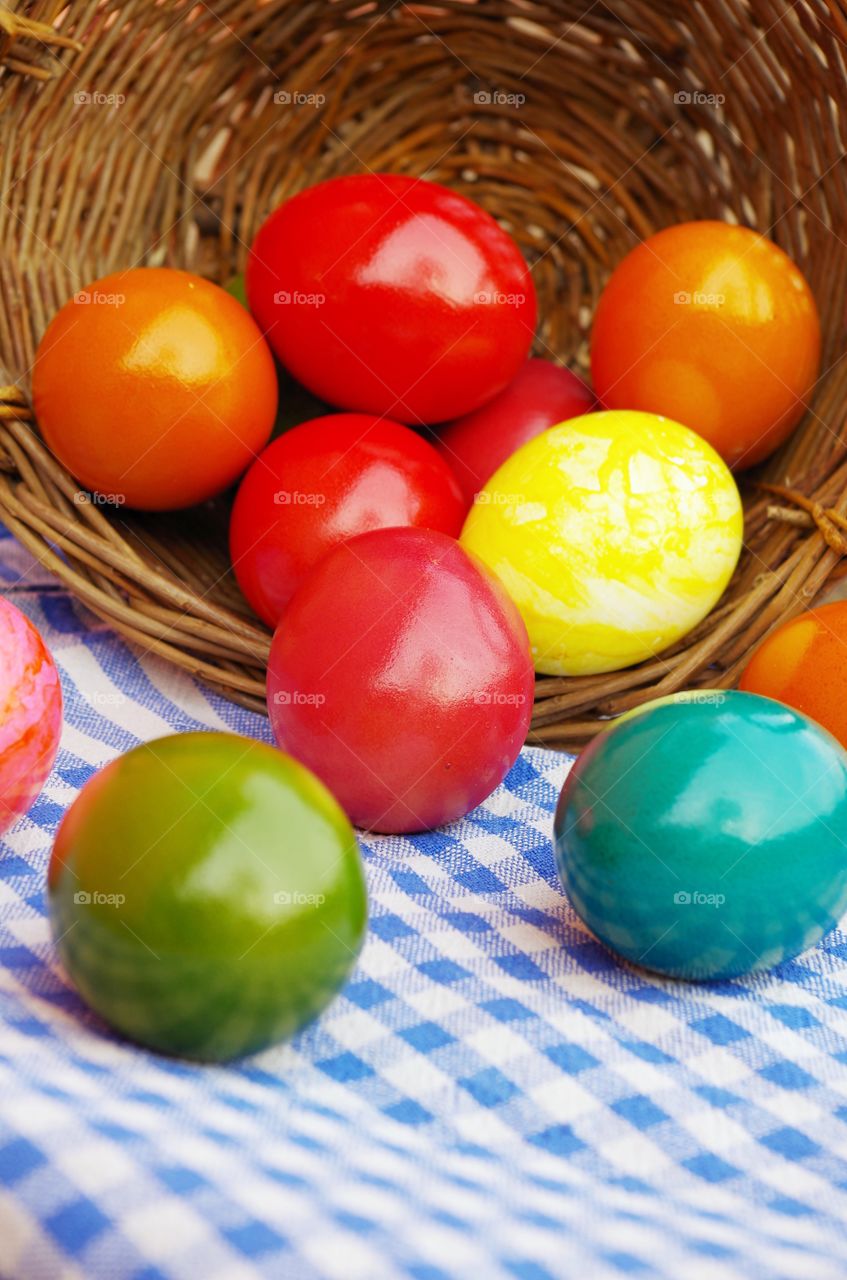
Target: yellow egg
x: 614, y: 534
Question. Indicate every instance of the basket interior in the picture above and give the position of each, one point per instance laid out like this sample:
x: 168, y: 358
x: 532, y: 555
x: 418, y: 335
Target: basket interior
x: 174, y: 129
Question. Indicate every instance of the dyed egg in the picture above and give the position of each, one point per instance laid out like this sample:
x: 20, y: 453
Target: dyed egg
x: 804, y: 663
x: 542, y: 395
x: 416, y: 710
x: 387, y: 294
x: 703, y: 836
x: 715, y: 326
x: 206, y: 895
x: 327, y: 480
x: 175, y: 390
x: 31, y: 716
x: 614, y: 533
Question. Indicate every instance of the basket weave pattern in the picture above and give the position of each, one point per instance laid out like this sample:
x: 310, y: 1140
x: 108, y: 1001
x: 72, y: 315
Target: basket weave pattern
x: 135, y: 133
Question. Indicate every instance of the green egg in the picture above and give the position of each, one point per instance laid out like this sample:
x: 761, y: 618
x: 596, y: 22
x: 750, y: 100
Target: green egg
x: 207, y: 895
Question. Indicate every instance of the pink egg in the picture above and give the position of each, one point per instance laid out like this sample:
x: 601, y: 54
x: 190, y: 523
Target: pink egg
x: 30, y: 714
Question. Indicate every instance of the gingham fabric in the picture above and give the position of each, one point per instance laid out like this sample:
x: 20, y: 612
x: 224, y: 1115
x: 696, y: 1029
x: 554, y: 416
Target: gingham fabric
x: 491, y: 1096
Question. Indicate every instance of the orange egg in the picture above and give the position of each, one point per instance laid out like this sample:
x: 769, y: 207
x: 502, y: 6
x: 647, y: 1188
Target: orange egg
x: 713, y: 326
x: 804, y: 663
x: 154, y: 388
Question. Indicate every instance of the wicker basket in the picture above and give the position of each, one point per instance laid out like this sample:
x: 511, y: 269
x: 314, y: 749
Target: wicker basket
x: 163, y: 133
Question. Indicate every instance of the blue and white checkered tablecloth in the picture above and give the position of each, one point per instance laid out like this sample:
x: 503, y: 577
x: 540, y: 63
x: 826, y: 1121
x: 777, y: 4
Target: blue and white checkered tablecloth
x: 492, y: 1096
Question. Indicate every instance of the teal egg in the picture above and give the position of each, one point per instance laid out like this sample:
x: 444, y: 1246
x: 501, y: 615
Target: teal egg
x: 706, y: 836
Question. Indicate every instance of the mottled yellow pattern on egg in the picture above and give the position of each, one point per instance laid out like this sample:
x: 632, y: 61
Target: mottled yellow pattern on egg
x: 614, y: 533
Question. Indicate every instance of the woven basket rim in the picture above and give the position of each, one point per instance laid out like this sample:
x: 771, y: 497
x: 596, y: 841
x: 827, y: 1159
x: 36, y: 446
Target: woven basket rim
x: 765, y: 157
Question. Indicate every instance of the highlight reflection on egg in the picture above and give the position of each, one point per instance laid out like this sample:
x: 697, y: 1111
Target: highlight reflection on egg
x: 614, y: 533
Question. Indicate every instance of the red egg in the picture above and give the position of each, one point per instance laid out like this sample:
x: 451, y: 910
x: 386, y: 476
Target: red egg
x: 401, y: 675
x: 542, y: 395
x: 392, y: 295
x: 325, y: 481
x: 31, y: 718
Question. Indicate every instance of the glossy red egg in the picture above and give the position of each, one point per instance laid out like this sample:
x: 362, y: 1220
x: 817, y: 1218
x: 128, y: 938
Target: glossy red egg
x: 542, y: 395
x: 327, y: 480
x: 392, y: 295
x: 401, y: 675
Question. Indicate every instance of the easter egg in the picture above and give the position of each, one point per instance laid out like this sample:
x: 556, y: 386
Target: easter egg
x: 614, y: 533
x: 31, y: 716
x: 804, y: 663
x: 325, y: 481
x: 714, y: 326
x: 415, y: 710
x: 703, y: 836
x: 391, y: 295
x: 174, y: 388
x: 206, y: 895
x: 542, y: 394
